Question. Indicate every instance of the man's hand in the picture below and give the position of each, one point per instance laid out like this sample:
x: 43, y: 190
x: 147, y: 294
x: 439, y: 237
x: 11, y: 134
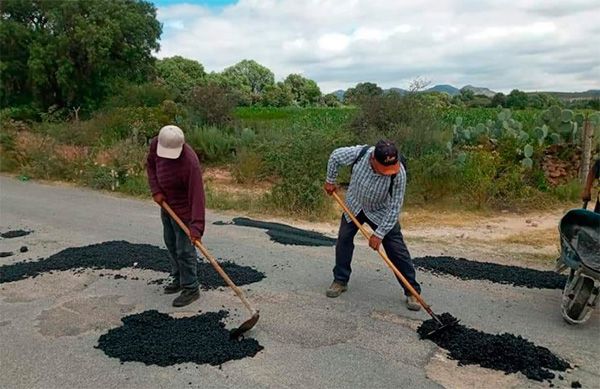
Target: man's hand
x: 194, y: 237
x: 374, y: 242
x: 330, y: 188
x: 586, y: 195
x: 159, y: 198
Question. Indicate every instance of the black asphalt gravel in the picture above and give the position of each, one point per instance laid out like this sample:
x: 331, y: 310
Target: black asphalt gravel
x: 116, y: 255
x: 156, y: 338
x: 502, y: 274
x: 284, y: 234
x: 506, y: 352
x: 14, y: 234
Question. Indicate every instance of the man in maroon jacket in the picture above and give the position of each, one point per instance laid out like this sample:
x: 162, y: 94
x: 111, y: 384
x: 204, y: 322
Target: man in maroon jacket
x: 175, y: 177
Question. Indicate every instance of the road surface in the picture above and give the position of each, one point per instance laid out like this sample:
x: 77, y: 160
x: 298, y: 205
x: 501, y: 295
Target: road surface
x: 49, y: 325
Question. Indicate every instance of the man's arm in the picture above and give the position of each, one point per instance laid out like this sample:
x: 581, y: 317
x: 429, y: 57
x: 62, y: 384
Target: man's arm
x: 343, y: 156
x: 391, y: 218
x: 151, y: 168
x: 196, y: 199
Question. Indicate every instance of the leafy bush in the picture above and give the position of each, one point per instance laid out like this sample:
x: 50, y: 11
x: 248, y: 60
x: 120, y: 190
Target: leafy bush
x: 248, y: 167
x: 407, y: 120
x: 476, y: 175
x: 212, y: 104
x: 300, y: 160
x: 144, y: 95
x: 432, y: 177
x: 211, y: 143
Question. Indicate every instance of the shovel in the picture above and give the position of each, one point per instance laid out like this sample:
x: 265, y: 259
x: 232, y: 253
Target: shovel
x: 441, y: 325
x: 248, y: 324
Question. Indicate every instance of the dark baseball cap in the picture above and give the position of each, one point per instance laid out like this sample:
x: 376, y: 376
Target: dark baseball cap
x: 386, y: 158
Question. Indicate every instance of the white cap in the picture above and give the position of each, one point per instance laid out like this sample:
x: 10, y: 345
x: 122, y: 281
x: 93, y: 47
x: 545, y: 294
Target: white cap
x: 170, y: 142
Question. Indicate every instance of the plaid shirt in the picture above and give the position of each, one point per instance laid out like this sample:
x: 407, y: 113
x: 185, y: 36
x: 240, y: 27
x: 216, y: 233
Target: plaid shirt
x: 369, y: 191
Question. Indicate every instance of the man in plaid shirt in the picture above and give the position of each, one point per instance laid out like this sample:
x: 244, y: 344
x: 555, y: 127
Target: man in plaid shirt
x: 375, y: 196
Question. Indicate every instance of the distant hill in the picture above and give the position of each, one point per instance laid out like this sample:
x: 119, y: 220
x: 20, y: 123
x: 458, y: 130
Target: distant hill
x: 570, y: 96
x: 479, y: 90
x: 396, y: 90
x: 444, y: 88
x: 453, y: 91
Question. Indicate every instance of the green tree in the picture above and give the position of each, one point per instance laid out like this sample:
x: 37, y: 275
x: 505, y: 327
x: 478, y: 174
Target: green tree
x: 305, y: 92
x: 330, y: 100
x: 466, y: 95
x: 360, y: 91
x: 517, y: 99
x: 499, y: 99
x: 71, y: 52
x: 248, y: 75
x: 542, y: 101
x: 180, y: 74
x: 278, y: 95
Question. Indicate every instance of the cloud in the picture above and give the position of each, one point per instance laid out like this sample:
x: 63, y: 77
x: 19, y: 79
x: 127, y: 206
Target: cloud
x: 533, y: 45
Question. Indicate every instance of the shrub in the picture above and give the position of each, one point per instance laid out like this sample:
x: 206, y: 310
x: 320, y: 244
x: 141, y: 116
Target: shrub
x: 248, y: 167
x: 432, y: 177
x: 300, y: 160
x: 407, y: 120
x: 212, y: 103
x: 211, y: 143
x: 144, y: 95
x: 476, y: 176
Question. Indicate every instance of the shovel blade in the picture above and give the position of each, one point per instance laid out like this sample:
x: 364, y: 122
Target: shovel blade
x: 245, y: 327
x: 440, y: 329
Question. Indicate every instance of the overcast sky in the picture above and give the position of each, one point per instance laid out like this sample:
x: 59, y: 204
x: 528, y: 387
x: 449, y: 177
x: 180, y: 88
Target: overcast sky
x: 529, y: 45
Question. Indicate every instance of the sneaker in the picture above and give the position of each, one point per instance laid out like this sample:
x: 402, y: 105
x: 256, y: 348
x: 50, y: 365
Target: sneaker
x: 412, y: 303
x: 336, y: 289
x: 173, y: 287
x: 186, y: 297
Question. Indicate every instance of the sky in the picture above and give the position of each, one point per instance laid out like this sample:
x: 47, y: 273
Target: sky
x: 529, y: 45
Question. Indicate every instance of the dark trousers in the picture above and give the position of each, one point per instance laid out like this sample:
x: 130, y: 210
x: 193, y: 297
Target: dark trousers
x: 393, y: 243
x: 184, y: 266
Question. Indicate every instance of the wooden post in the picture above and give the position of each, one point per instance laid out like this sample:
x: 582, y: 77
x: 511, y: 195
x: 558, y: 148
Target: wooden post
x: 586, y: 157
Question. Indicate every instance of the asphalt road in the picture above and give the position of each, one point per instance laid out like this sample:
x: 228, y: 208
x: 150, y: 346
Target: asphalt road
x: 366, y: 338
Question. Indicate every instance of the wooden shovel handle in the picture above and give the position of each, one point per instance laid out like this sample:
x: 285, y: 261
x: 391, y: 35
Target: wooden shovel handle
x: 382, y: 254
x: 208, y: 256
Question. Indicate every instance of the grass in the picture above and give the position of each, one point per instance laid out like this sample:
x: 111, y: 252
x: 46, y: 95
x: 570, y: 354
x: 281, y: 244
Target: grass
x: 536, y: 238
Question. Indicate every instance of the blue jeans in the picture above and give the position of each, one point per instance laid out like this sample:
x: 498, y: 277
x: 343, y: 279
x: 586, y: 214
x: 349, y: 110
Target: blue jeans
x: 394, y: 246
x: 184, y: 266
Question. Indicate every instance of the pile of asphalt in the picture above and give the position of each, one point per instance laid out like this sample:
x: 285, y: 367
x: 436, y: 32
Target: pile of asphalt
x: 502, y: 274
x: 284, y: 234
x: 4, y: 254
x: 156, y: 338
x: 14, y: 234
x: 505, y: 352
x: 116, y: 255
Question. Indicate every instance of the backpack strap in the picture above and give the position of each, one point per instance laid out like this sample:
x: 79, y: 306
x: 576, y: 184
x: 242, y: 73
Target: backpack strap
x: 391, y: 189
x: 362, y: 153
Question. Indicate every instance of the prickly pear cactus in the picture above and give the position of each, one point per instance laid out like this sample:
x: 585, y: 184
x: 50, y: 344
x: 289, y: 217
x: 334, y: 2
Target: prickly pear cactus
x: 564, y: 123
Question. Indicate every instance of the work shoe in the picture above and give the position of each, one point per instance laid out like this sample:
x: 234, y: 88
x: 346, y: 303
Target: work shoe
x: 173, y: 287
x: 336, y: 289
x: 186, y: 297
x: 412, y: 303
